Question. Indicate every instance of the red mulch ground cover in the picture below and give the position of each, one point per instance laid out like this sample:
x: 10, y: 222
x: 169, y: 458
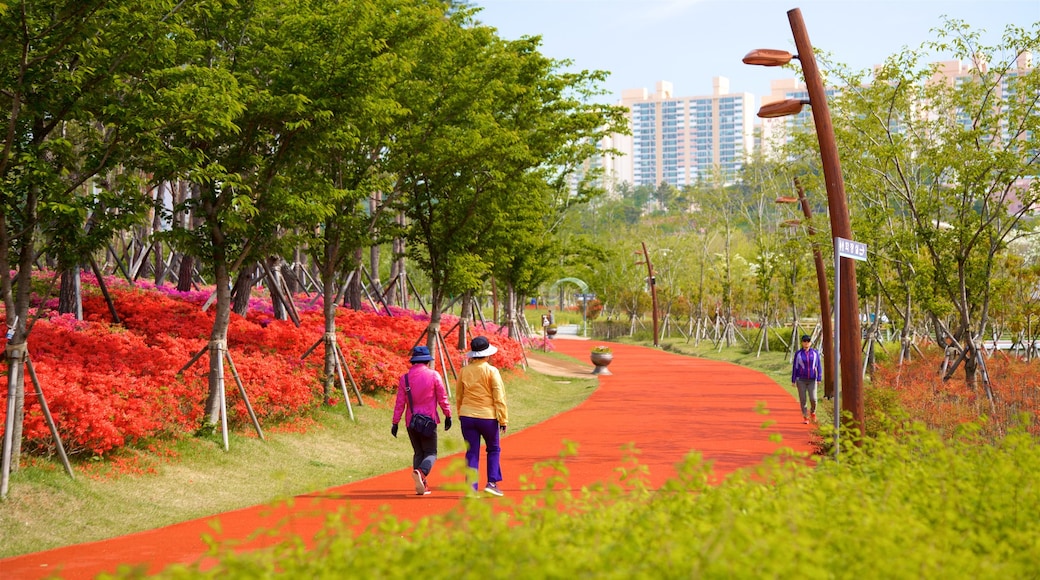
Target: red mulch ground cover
x: 664, y: 404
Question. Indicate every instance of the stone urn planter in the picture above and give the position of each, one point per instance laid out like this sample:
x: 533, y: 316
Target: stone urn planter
x: 601, y: 357
x: 550, y: 330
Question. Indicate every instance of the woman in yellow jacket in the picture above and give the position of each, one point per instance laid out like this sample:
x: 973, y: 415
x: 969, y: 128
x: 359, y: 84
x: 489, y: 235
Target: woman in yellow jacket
x: 480, y: 404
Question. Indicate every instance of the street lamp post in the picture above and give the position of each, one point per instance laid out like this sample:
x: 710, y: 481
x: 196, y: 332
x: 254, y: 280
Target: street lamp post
x: 821, y: 285
x: 653, y: 289
x: 851, y: 386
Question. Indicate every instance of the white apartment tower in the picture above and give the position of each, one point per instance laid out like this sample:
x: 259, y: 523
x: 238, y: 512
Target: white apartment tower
x: 682, y: 139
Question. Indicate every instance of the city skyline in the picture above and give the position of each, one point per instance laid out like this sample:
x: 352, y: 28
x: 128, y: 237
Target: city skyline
x: 689, y: 42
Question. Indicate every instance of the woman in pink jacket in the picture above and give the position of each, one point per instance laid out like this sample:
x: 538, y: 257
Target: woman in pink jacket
x: 427, y: 393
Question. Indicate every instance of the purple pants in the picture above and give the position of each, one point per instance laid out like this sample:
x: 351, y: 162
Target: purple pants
x: 472, y: 430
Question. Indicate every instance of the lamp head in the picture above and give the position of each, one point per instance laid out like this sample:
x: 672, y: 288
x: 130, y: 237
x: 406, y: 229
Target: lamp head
x: 782, y: 108
x: 768, y: 57
x: 786, y: 200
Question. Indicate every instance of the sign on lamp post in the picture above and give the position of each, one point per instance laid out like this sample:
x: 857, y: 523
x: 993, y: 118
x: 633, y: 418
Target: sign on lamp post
x: 855, y: 251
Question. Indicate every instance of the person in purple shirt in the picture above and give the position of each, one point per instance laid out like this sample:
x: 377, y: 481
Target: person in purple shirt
x: 427, y: 393
x: 805, y: 374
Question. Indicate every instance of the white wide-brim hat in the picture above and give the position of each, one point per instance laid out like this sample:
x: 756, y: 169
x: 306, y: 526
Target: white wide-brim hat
x: 481, y: 348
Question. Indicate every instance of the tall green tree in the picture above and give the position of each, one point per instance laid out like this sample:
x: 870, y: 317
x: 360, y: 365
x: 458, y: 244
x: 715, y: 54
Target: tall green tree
x: 950, y: 158
x: 252, y: 186
x: 484, y: 114
x: 80, y: 84
x: 359, y: 51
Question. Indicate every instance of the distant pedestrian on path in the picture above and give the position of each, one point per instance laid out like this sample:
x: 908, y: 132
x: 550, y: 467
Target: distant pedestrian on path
x: 427, y: 393
x: 805, y: 374
x: 480, y: 402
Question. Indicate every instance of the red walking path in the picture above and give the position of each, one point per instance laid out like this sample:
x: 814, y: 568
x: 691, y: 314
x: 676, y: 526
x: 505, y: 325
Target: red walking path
x: 664, y: 404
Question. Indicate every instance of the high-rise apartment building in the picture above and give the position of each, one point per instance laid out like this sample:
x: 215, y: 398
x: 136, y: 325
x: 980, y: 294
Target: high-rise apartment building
x: 774, y: 132
x: 682, y: 139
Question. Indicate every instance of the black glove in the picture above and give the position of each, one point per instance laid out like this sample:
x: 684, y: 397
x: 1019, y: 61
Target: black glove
x: 393, y: 430
x: 502, y: 428
x: 447, y: 423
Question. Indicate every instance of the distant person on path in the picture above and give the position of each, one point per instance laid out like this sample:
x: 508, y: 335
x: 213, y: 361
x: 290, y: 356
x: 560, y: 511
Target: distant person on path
x: 480, y: 403
x: 805, y: 374
x: 427, y: 393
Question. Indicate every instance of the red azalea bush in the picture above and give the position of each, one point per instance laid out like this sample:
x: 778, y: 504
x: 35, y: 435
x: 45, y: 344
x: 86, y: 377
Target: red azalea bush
x: 946, y: 406
x: 110, y: 385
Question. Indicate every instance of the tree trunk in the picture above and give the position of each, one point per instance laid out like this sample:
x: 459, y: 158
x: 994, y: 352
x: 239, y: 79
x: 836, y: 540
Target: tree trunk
x: 242, y: 290
x: 70, y: 299
x: 971, y: 365
x: 398, y: 270
x: 494, y: 300
x: 434, y: 328
x: 275, y: 283
x: 157, y: 250
x: 511, y: 316
x: 293, y: 282
x: 185, y: 273
x: 355, y: 288
x: 16, y: 301
x: 464, y: 319
x: 218, y: 342
x: 373, y: 268
x: 329, y: 277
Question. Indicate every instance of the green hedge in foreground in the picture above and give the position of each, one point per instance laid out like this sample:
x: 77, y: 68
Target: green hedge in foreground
x: 917, y: 508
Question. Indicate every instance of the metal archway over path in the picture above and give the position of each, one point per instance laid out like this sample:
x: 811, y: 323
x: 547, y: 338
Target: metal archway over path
x: 584, y: 301
x: 581, y: 284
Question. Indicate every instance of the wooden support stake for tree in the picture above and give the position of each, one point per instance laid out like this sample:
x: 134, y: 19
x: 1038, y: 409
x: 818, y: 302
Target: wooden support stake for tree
x: 453, y: 327
x: 136, y: 269
x: 119, y: 263
x: 197, y: 356
x: 339, y: 376
x: 279, y: 292
x: 342, y: 361
x: 440, y: 355
x: 339, y: 363
x: 418, y: 298
x: 307, y: 352
x: 104, y: 291
x: 294, y: 312
x: 390, y: 287
x: 49, y: 418
x: 168, y: 267
x: 521, y: 333
x: 242, y: 393
x: 450, y: 364
x: 372, y: 284
x: 218, y: 346
x: 291, y: 273
x: 480, y: 315
x: 341, y: 294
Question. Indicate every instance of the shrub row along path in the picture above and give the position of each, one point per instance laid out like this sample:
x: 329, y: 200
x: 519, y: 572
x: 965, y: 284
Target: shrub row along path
x: 665, y: 404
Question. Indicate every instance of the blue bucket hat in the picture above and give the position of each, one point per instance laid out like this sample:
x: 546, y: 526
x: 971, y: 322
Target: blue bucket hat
x: 421, y: 354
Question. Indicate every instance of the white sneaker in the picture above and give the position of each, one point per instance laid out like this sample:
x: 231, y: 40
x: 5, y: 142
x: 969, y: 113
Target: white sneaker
x: 492, y: 488
x: 420, y: 483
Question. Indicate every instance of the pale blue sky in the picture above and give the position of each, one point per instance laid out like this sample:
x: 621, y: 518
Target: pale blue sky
x: 688, y: 42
